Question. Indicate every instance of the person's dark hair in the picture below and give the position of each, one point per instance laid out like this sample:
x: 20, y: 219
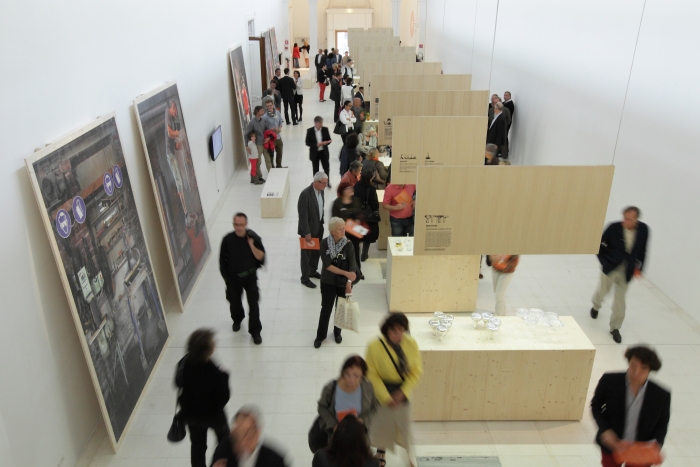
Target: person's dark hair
x: 257, y: 109
x: 362, y: 88
x: 295, y: 44
x: 318, y: 119
x: 354, y: 360
x: 367, y: 176
x: 352, y: 140
x: 348, y: 446
x: 241, y: 214
x: 348, y: 81
x: 296, y: 73
x: 634, y: 209
x: 393, y: 321
x: 342, y: 186
x: 200, y: 345
x: 325, y: 51
x: 286, y: 71
x: 346, y: 103
x: 273, y: 80
x: 645, y: 355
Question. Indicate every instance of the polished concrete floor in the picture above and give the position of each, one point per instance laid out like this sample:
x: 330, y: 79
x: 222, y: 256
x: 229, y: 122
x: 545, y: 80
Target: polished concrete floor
x: 284, y: 375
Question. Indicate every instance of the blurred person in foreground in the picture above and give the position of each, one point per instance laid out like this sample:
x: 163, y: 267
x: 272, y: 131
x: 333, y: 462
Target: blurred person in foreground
x: 394, y: 367
x: 243, y: 447
x: 629, y: 408
x: 348, y: 447
x: 351, y: 394
x: 205, y: 393
x: 622, y: 253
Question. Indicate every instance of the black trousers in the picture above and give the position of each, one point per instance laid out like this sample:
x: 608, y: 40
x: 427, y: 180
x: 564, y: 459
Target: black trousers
x: 310, y: 258
x: 234, y: 294
x: 290, y: 103
x: 198, y: 436
x: 356, y: 245
x: 299, y: 101
x: 329, y: 298
x: 336, y: 110
x: 322, y: 159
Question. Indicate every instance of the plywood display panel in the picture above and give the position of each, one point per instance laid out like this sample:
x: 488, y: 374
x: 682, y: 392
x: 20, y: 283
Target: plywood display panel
x: 429, y: 104
x: 419, y: 284
x: 401, y: 55
x: 83, y: 187
x: 397, y: 68
x: 393, y: 82
x: 436, y: 141
x: 511, y: 209
x: 518, y: 373
x: 363, y: 45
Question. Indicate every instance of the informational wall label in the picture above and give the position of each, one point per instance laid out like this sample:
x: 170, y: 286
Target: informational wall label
x: 438, y: 233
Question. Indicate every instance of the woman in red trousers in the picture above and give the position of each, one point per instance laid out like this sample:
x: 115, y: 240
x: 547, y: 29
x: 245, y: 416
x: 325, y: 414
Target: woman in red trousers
x: 322, y: 80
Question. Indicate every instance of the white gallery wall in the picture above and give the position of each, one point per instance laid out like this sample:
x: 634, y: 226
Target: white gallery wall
x: 63, y: 64
x: 568, y: 65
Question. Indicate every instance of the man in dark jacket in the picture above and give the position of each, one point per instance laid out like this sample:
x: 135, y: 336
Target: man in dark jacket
x: 628, y: 407
x: 622, y: 253
x: 243, y: 446
x: 497, y: 131
x: 286, y: 87
x: 317, y: 139
x: 310, y: 210
x: 242, y: 253
x: 336, y: 95
x: 320, y: 59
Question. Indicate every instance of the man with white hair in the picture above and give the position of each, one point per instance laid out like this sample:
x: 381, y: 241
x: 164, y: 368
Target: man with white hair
x: 244, y: 448
x: 310, y: 209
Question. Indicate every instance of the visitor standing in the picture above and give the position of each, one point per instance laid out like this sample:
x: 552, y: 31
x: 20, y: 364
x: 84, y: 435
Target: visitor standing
x: 310, y: 210
x: 317, y: 139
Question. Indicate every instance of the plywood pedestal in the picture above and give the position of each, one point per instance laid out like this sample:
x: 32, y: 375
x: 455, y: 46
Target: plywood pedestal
x: 522, y: 372
x: 417, y: 284
x: 274, y: 196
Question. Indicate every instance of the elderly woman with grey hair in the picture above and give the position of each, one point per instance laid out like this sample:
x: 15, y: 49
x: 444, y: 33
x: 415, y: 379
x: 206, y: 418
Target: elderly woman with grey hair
x: 337, y: 275
x: 368, y: 140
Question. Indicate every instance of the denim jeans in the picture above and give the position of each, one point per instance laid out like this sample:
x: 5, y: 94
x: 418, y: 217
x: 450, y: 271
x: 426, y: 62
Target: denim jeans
x: 401, y: 227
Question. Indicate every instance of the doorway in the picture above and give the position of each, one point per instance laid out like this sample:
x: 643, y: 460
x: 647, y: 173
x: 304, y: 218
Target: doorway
x: 341, y: 41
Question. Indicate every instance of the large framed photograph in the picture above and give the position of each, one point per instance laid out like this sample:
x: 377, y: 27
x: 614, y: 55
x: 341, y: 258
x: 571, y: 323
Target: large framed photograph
x: 83, y: 189
x: 240, y: 84
x: 164, y: 136
x: 275, y: 51
x: 269, y: 58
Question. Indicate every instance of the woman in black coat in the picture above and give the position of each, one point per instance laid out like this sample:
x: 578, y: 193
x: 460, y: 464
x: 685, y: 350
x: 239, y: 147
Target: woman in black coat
x: 348, y: 448
x: 348, y: 153
x: 204, y: 394
x: 367, y: 194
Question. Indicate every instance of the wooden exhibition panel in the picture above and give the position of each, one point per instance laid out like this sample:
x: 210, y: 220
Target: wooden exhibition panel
x: 511, y: 209
x: 521, y: 372
x: 419, y: 284
x: 429, y: 104
x: 389, y: 41
x: 384, y: 225
x: 398, y: 68
x: 404, y: 54
x: 436, y: 141
x: 393, y: 82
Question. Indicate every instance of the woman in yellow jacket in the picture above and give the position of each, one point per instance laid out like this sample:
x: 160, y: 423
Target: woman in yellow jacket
x: 395, y: 368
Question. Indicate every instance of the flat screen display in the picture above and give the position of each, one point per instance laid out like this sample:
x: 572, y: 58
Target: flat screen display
x: 215, y: 143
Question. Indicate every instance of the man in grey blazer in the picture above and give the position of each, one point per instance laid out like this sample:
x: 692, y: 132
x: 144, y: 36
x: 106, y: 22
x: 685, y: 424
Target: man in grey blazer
x: 310, y: 208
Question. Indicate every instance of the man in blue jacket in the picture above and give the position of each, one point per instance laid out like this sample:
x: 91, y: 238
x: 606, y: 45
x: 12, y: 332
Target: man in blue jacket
x: 622, y: 252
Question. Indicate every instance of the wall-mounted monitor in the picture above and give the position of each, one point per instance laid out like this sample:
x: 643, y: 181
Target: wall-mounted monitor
x: 216, y: 144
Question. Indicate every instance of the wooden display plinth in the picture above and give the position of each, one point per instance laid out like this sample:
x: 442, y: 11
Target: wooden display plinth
x: 416, y: 284
x: 521, y: 372
x: 274, y: 196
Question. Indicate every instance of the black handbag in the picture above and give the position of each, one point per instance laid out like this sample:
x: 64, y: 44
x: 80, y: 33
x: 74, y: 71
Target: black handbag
x: 339, y: 128
x: 178, y: 431
x: 368, y: 213
x: 318, y: 437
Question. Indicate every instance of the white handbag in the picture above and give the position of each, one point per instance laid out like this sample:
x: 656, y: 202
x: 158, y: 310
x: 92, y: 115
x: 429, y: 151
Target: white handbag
x: 347, y: 314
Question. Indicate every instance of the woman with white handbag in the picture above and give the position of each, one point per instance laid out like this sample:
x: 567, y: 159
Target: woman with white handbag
x: 337, y: 276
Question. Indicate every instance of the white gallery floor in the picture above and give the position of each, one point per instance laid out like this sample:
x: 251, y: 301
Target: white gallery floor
x: 284, y: 375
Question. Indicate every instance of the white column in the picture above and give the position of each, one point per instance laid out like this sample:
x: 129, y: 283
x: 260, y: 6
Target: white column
x: 396, y: 16
x: 313, y: 29
x: 285, y: 48
x: 422, y: 23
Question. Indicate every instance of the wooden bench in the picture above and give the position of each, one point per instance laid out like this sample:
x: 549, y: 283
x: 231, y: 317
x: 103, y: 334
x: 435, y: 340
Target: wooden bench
x: 273, y: 198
